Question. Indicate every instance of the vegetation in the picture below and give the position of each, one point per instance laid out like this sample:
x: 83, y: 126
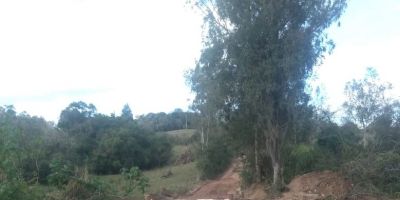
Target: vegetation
x: 161, y: 122
x: 184, y: 178
x: 257, y: 57
x: 214, y: 159
x: 251, y: 102
x: 250, y: 85
x: 84, y: 142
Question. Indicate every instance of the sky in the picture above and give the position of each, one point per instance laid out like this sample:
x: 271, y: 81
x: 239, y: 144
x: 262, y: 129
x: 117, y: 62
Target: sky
x: 113, y: 52
x: 368, y: 36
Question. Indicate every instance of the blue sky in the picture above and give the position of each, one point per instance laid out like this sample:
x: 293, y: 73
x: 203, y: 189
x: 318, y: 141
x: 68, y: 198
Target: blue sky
x: 109, y: 53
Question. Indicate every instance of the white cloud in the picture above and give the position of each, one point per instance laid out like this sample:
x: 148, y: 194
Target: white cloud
x: 137, y: 51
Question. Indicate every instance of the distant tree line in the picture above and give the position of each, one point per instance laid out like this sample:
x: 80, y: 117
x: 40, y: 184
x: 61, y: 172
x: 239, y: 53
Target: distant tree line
x: 178, y: 119
x: 109, y: 143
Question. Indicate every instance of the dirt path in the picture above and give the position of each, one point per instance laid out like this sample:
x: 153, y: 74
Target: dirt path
x: 225, y: 187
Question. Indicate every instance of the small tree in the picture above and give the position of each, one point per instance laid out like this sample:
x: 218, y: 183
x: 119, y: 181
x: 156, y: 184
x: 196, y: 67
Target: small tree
x: 366, y: 100
x: 134, y: 179
x: 127, y: 113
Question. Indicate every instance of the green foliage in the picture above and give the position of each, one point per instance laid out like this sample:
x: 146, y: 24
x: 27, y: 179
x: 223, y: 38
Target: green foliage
x: 247, y: 175
x: 34, y: 151
x: 367, y: 102
x: 302, y: 159
x: 375, y: 173
x: 60, y: 174
x: 127, y: 113
x: 124, y: 149
x: 161, y: 122
x: 215, y: 158
x: 79, y: 189
x: 388, y: 180
x: 366, y: 98
x: 109, y: 143
x: 18, y: 190
x: 184, y: 178
x: 134, y: 179
x: 305, y: 158
x: 256, y: 59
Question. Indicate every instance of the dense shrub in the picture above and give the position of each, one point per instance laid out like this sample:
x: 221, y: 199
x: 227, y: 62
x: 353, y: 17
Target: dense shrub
x: 60, y: 174
x: 79, y: 189
x: 18, y: 189
x: 215, y: 158
x: 125, y: 149
x: 375, y: 173
x: 134, y: 180
x: 302, y: 159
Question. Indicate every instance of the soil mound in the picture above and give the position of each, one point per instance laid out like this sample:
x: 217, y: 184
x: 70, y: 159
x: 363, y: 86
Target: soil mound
x: 318, y: 185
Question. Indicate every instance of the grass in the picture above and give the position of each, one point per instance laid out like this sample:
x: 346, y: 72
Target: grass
x: 182, y: 132
x: 177, y: 151
x: 184, y: 178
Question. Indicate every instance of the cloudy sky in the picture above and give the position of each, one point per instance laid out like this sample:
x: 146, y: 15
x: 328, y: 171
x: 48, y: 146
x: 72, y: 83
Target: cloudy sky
x: 112, y: 52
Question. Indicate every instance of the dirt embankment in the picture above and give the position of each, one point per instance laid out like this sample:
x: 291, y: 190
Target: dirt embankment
x: 312, y: 186
x: 317, y: 185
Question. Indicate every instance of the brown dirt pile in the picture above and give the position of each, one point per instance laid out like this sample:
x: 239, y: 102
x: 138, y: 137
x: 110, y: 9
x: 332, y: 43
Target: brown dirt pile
x: 317, y: 185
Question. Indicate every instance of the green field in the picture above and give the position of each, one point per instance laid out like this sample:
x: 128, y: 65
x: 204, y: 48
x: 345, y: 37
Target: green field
x: 184, y: 178
x: 182, y: 132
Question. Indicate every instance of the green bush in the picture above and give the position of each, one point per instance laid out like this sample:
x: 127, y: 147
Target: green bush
x: 375, y: 173
x: 18, y: 190
x: 301, y: 159
x: 215, y: 158
x: 388, y: 172
x: 60, y: 174
x: 247, y: 175
x: 79, y: 189
x: 123, y: 149
x: 134, y: 179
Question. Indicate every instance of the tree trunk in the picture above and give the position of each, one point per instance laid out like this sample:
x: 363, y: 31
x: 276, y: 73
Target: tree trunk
x: 202, y: 138
x: 274, y: 151
x: 364, y: 139
x: 208, y: 130
x: 256, y: 162
x: 37, y: 170
x: 277, y: 174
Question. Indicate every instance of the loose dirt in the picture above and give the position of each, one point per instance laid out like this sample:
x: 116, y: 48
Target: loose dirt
x: 317, y: 185
x: 312, y: 186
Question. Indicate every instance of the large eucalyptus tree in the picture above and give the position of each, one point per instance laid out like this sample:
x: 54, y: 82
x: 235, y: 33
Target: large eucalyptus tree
x: 257, y: 57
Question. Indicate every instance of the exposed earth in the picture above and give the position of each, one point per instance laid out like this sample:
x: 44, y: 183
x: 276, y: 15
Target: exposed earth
x: 325, y: 185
